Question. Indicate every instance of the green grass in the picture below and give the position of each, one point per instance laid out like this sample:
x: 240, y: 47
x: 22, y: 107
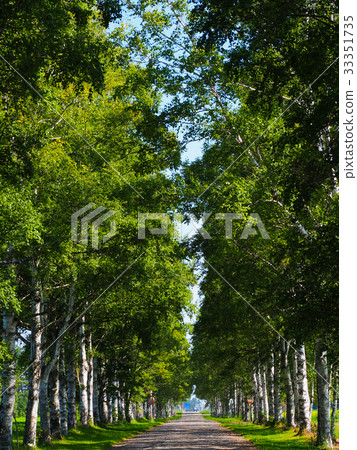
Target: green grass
x: 97, y: 437
x: 266, y: 437
x: 314, y: 416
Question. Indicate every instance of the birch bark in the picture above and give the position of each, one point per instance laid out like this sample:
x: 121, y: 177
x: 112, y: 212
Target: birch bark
x: 303, y: 388
x: 110, y: 408
x: 290, y: 404
x: 90, y: 380
x: 8, y: 377
x: 103, y: 398
x: 334, y: 406
x: 312, y: 396
x: 270, y: 382
x: 323, y: 424
x: 45, y: 421
x: 53, y: 395
x: 63, y: 397
x: 83, y: 375
x: 261, y: 412
x: 71, y: 371
x: 278, y: 410
x: 36, y: 356
x: 115, y: 408
x: 256, y: 405
x: 296, y: 387
x: 265, y: 392
x: 95, y: 390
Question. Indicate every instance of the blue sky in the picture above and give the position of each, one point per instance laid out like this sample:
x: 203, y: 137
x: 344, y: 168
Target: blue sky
x: 191, y: 153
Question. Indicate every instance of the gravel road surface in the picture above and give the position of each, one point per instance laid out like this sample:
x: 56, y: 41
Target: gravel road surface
x: 191, y: 431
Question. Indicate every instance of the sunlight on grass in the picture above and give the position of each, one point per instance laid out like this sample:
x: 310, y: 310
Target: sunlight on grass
x: 266, y: 437
x: 97, y: 437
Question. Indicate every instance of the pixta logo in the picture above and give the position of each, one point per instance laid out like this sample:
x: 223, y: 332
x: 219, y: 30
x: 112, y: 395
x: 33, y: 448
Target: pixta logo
x: 252, y: 226
x: 80, y: 217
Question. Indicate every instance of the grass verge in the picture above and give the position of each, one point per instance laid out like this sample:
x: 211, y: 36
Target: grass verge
x: 97, y: 437
x: 267, y: 437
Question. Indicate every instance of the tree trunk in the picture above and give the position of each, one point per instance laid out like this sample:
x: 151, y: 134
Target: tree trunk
x: 249, y: 408
x: 45, y: 421
x: 127, y: 407
x: 45, y: 434
x: 115, y: 408
x: 303, y: 388
x: 103, y: 398
x: 53, y: 395
x: 35, y: 365
x: 8, y: 377
x: 243, y: 409
x: 95, y: 390
x: 296, y: 387
x: 63, y: 397
x: 312, y: 398
x: 256, y: 406
x: 270, y: 381
x: 83, y: 376
x: 265, y: 392
x: 72, y: 412
x: 290, y: 404
x: 110, y: 408
x: 261, y: 412
x: 239, y: 402
x: 278, y: 410
x: 334, y: 406
x: 323, y: 404
x: 90, y: 380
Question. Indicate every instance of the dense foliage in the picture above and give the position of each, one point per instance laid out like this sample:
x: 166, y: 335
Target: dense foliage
x: 92, y: 116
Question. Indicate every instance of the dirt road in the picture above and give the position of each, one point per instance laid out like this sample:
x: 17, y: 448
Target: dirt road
x: 191, y: 431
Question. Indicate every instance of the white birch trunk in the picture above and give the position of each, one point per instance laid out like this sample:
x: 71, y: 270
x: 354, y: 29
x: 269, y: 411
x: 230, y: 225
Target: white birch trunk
x: 29, y: 439
x: 237, y: 400
x: 90, y: 380
x: 103, y: 398
x: 312, y: 396
x: 45, y: 434
x: 334, y: 406
x: 53, y: 394
x: 278, y: 410
x: 116, y: 402
x: 244, y: 408
x: 303, y: 388
x: 270, y: 382
x: 261, y: 411
x: 323, y: 423
x: 290, y: 404
x: 265, y: 393
x: 110, y: 408
x: 8, y: 377
x: 63, y: 397
x: 71, y: 371
x: 296, y: 387
x: 95, y: 390
x: 239, y: 403
x: 83, y: 375
x: 256, y: 405
x: 45, y: 421
x: 115, y: 408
